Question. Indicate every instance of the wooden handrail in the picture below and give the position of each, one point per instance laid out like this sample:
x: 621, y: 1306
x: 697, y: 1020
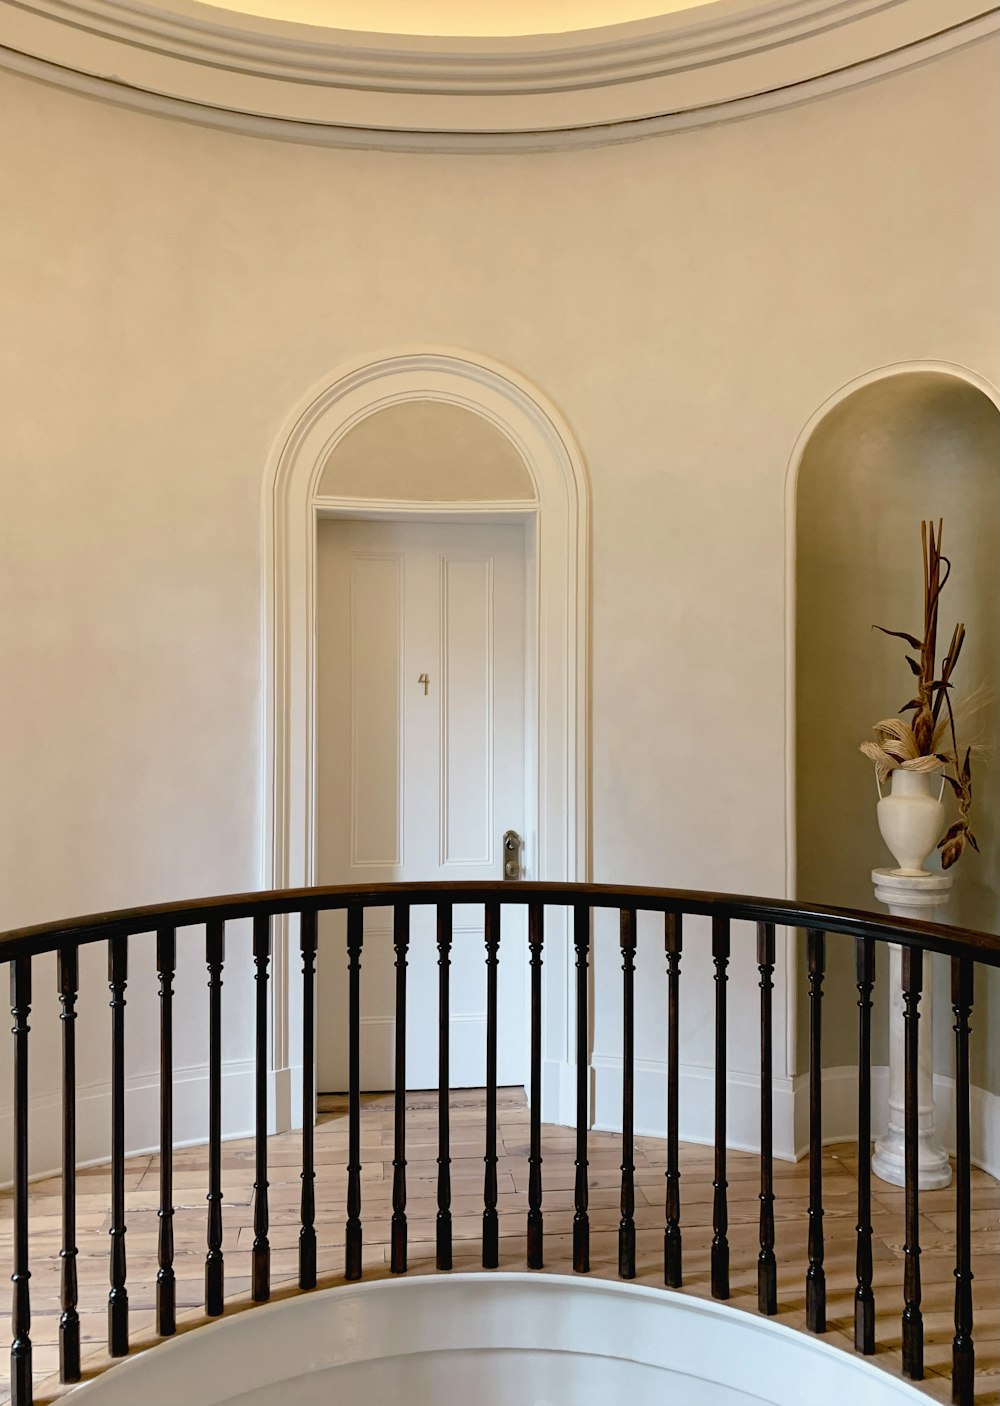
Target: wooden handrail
x: 851, y: 922
x: 160, y: 922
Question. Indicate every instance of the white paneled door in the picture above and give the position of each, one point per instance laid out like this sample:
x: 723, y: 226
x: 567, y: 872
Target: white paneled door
x: 421, y: 770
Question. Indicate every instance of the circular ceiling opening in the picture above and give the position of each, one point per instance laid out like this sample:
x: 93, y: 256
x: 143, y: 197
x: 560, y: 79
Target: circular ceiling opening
x: 461, y: 18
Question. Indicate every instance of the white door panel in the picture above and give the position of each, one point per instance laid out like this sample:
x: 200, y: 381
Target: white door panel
x: 419, y: 781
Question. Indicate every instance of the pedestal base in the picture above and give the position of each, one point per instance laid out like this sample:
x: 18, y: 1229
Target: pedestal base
x: 888, y: 1161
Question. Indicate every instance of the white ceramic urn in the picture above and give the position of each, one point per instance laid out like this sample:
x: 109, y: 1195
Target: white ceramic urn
x: 911, y: 819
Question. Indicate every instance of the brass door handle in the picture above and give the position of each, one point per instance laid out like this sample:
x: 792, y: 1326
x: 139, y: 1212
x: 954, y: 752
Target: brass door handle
x: 512, y: 844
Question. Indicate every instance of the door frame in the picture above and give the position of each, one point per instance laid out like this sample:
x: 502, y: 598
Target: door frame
x: 559, y: 661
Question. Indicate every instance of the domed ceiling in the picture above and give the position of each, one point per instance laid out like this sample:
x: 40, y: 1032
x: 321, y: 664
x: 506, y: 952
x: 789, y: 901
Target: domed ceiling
x: 460, y: 18
x: 488, y: 75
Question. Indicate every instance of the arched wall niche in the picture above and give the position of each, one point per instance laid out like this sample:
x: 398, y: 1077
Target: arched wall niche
x: 322, y: 466
x: 903, y: 444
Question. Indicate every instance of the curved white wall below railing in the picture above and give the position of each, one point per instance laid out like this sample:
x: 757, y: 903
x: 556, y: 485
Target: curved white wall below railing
x: 497, y: 1340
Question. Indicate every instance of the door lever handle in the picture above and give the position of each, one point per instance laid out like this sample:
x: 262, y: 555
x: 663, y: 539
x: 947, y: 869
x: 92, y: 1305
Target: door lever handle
x: 512, y: 844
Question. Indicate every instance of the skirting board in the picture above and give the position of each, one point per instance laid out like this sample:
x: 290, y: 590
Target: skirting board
x: 697, y: 1093
x: 790, y: 1108
x: 697, y: 1105
x: 142, y: 1117
x: 984, y: 1117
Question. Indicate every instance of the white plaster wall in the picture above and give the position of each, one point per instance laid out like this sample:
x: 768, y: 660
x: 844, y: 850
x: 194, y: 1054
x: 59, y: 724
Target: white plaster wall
x: 687, y: 302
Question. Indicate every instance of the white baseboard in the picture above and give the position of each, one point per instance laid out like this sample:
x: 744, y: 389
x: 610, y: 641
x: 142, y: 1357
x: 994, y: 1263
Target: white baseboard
x: 840, y: 1118
x: 790, y: 1105
x: 984, y: 1117
x: 790, y: 1108
x: 840, y: 1105
x: 697, y: 1103
x: 142, y: 1117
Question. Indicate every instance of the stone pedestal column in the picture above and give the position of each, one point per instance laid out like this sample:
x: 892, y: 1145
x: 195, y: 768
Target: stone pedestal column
x: 911, y: 897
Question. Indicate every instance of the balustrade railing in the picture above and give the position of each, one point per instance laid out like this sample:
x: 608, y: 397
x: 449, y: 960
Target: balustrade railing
x: 965, y: 949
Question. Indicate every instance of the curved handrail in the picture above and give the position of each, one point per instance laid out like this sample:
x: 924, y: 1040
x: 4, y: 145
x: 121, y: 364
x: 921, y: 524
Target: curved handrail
x: 964, y: 946
x: 852, y: 922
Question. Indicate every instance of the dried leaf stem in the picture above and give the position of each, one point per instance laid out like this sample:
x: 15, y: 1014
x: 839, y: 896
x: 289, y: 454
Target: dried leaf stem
x: 929, y: 743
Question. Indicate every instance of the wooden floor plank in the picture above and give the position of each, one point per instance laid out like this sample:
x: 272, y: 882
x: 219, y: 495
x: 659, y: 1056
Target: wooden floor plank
x: 558, y: 1172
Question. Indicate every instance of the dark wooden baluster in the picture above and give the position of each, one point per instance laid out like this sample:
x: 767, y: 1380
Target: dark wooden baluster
x: 20, y: 1348
x: 536, y: 940
x: 166, y: 1287
x: 353, y: 1240
x: 864, y: 1298
x: 767, y: 1266
x: 118, y: 1297
x: 401, y: 943
x: 815, y: 1274
x: 260, y: 1258
x: 963, y: 1352
x: 626, y: 1226
x: 443, y: 1223
x: 673, y: 942
x: 215, y: 1272
x: 68, y: 971
x: 581, y: 1217
x: 913, y: 1323
x: 720, y: 1205
x: 491, y: 1224
x: 307, y: 1211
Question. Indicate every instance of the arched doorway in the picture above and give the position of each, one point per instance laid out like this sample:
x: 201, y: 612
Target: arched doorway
x: 558, y: 515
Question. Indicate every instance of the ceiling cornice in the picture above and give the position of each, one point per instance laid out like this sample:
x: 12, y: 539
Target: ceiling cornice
x: 724, y: 60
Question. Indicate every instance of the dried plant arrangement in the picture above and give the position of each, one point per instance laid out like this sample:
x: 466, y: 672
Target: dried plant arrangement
x: 928, y: 741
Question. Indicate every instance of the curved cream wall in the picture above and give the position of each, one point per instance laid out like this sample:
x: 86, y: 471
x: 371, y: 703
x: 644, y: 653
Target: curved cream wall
x: 687, y: 302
